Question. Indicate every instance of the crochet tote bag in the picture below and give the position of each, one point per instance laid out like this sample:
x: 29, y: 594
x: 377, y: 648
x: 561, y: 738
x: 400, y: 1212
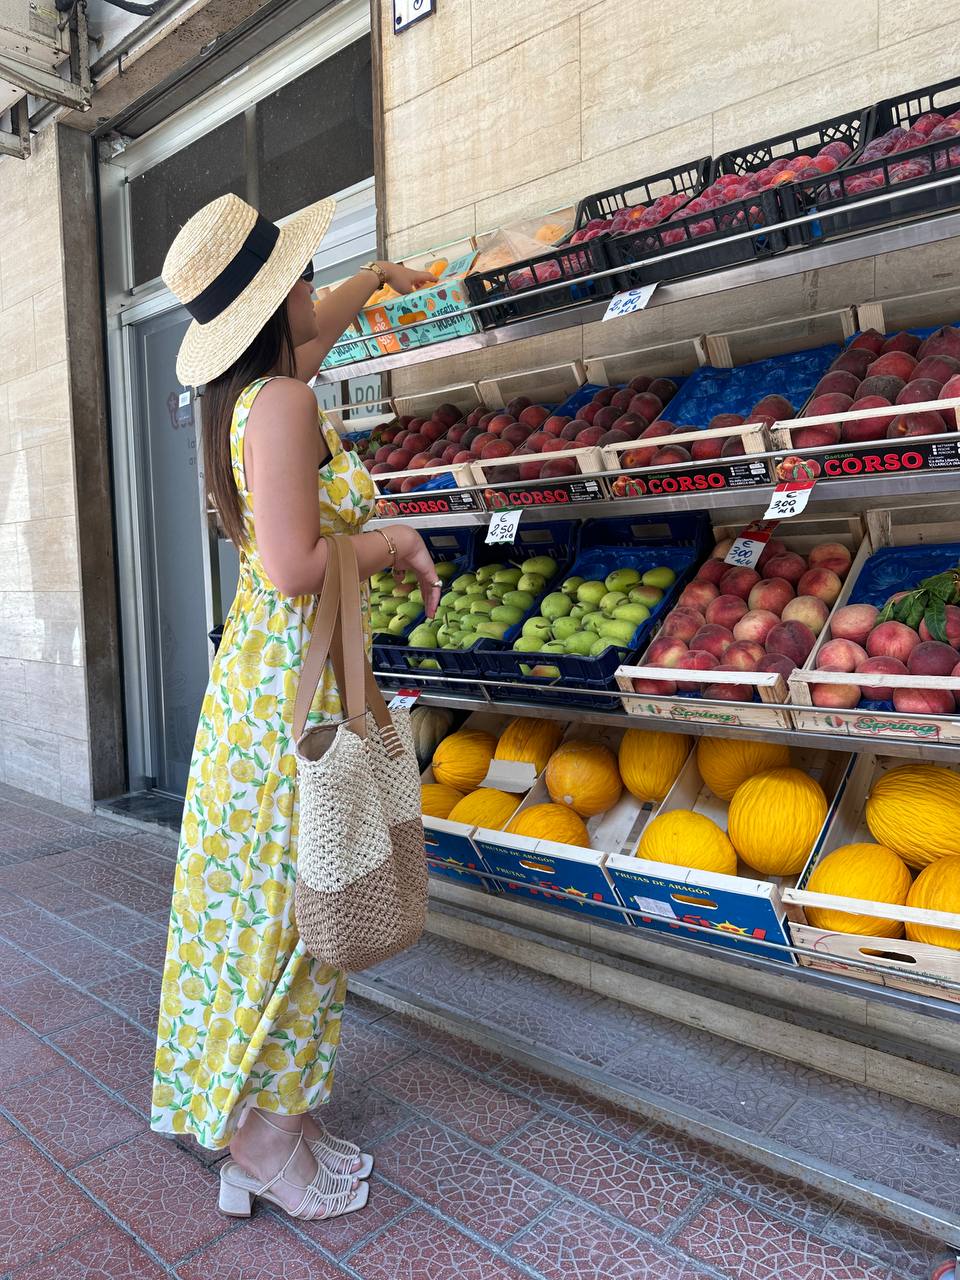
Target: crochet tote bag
x: 361, y: 891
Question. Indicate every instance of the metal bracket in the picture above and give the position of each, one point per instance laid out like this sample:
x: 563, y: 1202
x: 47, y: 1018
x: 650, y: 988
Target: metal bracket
x: 17, y: 144
x: 74, y: 93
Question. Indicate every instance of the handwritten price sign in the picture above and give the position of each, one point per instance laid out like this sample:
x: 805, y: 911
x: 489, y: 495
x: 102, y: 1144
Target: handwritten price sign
x: 749, y: 544
x: 789, y: 499
x: 630, y: 300
x: 502, y: 528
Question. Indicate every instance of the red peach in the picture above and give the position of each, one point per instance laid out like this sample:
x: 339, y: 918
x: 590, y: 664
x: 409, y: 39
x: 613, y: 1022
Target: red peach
x: 535, y: 415
x: 739, y: 582
x: 880, y: 666
x: 951, y: 391
x: 779, y: 663
x: 939, y: 368
x: 553, y: 425
x: 448, y: 414
x: 481, y: 442
x: 953, y: 627
x: 640, y: 383
x: 648, y: 406
x: 712, y: 571
x: 669, y: 454
x: 666, y: 688
x: 531, y: 470
x: 715, y: 639
x: 831, y: 555
x: 663, y: 388
x: 632, y: 424
x: 925, y: 423
x: 622, y: 399
x: 590, y: 436
x: 744, y: 655
x: 792, y: 639
x: 516, y: 434
x: 450, y: 452
x: 902, y: 341
x: 728, y: 692
x: 605, y: 417
x: 725, y: 611
x: 705, y: 449
x: 755, y: 625
x: 555, y: 467
x: 721, y: 420
x: 936, y: 702
x: 682, y: 624
x: 854, y: 360
x: 838, y: 696
x: 866, y: 428
x: 886, y: 386
x: 919, y: 391
x: 895, y: 364
x: 854, y: 622
x: 892, y: 640
x: 773, y: 548
x: 823, y: 583
x: 517, y: 405
x: 945, y: 342
x: 732, y: 447
x: 613, y: 436
x: 433, y: 430
x: 463, y: 456
x: 665, y: 652
x: 604, y: 395
x: 772, y: 594
x: 416, y: 443
x: 819, y: 437
x: 838, y: 380
x: 831, y: 402
x: 398, y: 460
x: 808, y: 610
x: 869, y: 340
x: 383, y: 453
x: 695, y: 660
x: 772, y: 406
x: 536, y: 442
x: 788, y: 565
x: 496, y: 449
x: 840, y: 655
x: 698, y: 595
x: 931, y: 658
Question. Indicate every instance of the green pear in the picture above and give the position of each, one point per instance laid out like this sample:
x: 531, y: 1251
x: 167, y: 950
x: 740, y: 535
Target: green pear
x: 632, y: 613
x: 416, y: 595
x: 520, y: 599
x: 445, y: 570
x: 492, y: 630
x: 556, y: 605
x: 481, y: 605
x: 525, y: 669
x: 460, y: 584
x: 423, y: 637
x: 610, y: 601
x: 543, y: 671
x: 409, y: 578
x: 617, y: 630
x: 382, y: 580
x: 564, y: 628
x: 580, y: 610
x: 379, y: 621
x: 497, y: 590
x: 509, y: 574
x: 409, y: 609
x: 429, y: 664
x: 649, y: 596
x: 389, y: 605
x: 598, y: 646
x: 621, y: 579
x: 554, y: 646
x: 470, y: 621
x: 569, y: 587
x: 537, y: 627
x: 402, y: 590
x: 487, y: 572
x: 546, y: 566
x: 659, y: 577
x: 591, y: 592
x: 527, y: 644
x: 534, y: 582
x: 591, y: 621
x: 461, y: 603
x: 582, y: 642
x: 506, y: 613
x: 476, y: 589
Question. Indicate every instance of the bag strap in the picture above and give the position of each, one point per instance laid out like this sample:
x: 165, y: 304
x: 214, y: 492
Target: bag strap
x: 318, y: 648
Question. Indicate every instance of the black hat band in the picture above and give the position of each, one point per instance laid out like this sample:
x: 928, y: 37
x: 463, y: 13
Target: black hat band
x: 237, y: 274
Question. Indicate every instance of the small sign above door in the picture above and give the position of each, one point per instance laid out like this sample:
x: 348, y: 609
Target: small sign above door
x: 407, y: 12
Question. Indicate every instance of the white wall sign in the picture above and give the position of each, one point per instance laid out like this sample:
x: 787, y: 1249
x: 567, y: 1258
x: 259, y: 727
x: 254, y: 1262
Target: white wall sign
x: 407, y: 12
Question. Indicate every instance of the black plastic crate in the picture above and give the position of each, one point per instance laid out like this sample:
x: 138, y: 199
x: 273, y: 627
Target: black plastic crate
x: 871, y: 178
x: 855, y: 128
x: 512, y: 287
x: 685, y: 180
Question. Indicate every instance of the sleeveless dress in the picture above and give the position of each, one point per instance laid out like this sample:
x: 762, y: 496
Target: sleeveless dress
x: 247, y: 1016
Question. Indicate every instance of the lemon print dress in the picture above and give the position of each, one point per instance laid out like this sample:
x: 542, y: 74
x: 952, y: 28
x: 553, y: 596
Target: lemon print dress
x: 247, y: 1016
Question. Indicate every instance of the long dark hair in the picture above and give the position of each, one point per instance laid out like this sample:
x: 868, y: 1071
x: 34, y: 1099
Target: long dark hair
x: 271, y: 352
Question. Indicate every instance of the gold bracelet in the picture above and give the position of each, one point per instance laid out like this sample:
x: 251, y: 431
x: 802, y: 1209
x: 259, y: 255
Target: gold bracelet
x: 391, y: 546
x: 377, y: 270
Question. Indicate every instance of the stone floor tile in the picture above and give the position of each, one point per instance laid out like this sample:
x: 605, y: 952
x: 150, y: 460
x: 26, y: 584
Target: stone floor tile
x: 262, y: 1249
x: 574, y: 1243
x: 40, y: 1209
x: 63, y: 898
x: 46, y: 1004
x: 476, y: 1188
x: 159, y: 1194
x: 365, y: 1051
x: 444, y: 1045
x: 16, y: 964
x: 747, y: 1243
x: 361, y: 1112
x: 440, y: 1092
x: 117, y: 926
x: 113, y: 1050
x: 150, y: 951
x: 420, y: 1246
x: 105, y: 1253
x: 908, y: 1253
x: 572, y: 1102
x: 70, y: 1115
x: 23, y: 1054
x: 34, y: 930
x: 642, y: 1191
x: 85, y: 962
x: 136, y: 994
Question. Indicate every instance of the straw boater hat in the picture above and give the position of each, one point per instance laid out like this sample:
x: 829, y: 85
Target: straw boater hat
x: 231, y: 269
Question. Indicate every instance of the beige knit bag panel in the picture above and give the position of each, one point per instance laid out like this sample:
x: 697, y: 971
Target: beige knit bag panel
x: 361, y: 892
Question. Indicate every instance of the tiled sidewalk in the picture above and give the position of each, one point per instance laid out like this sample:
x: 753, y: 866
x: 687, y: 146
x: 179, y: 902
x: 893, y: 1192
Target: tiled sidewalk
x: 485, y: 1170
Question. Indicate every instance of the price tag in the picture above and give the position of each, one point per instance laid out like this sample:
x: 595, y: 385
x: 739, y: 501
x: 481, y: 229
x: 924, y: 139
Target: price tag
x: 405, y: 698
x: 183, y: 399
x: 654, y: 907
x: 629, y: 301
x: 503, y: 527
x: 789, y: 499
x: 749, y: 544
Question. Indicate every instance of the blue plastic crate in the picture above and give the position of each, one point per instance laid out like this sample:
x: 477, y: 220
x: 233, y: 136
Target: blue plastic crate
x: 443, y: 544
x: 710, y: 391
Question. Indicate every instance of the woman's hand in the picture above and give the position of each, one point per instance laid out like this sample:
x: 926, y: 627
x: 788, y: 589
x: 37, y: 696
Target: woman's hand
x: 404, y: 279
x: 412, y: 554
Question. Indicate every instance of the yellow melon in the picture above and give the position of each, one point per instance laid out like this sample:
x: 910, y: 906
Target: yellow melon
x: 529, y: 742
x: 867, y: 871
x: 462, y: 759
x: 726, y: 762
x: 936, y: 888
x: 650, y: 761
x: 551, y: 822
x: 774, y: 820
x: 687, y: 839
x: 486, y: 807
x: 436, y: 800
x: 915, y: 811
x: 584, y: 775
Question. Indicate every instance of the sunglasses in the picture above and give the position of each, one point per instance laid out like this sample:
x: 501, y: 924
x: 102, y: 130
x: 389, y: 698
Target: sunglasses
x: 307, y: 274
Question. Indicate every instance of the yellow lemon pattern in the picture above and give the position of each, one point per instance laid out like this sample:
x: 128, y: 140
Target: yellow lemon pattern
x: 247, y: 1015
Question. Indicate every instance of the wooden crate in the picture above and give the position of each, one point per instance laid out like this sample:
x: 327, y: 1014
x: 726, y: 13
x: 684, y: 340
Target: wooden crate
x: 551, y: 384
x: 681, y: 357
x: 752, y: 434
x: 799, y: 535
x: 735, y: 908
x: 904, y: 527
x: 465, y: 395
x: 894, y: 961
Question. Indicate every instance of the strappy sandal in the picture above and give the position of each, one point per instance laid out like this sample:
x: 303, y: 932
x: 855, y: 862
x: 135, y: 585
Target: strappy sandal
x: 327, y: 1196
x: 339, y: 1155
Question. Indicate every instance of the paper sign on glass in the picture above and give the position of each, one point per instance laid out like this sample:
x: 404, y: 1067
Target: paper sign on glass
x: 623, y: 304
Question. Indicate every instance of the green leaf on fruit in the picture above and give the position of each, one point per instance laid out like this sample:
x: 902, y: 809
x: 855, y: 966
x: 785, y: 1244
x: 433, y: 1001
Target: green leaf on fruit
x: 936, y: 619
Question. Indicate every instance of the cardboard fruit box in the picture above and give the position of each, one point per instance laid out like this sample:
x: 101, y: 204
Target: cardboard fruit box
x: 770, y: 692
x: 893, y: 962
x: 739, y: 912
x: 422, y: 318
x: 902, y: 547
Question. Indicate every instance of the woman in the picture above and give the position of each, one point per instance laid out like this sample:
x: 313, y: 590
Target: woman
x: 249, y: 1022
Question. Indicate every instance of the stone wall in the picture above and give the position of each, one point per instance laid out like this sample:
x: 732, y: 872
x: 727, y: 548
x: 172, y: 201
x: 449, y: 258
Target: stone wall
x: 497, y: 111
